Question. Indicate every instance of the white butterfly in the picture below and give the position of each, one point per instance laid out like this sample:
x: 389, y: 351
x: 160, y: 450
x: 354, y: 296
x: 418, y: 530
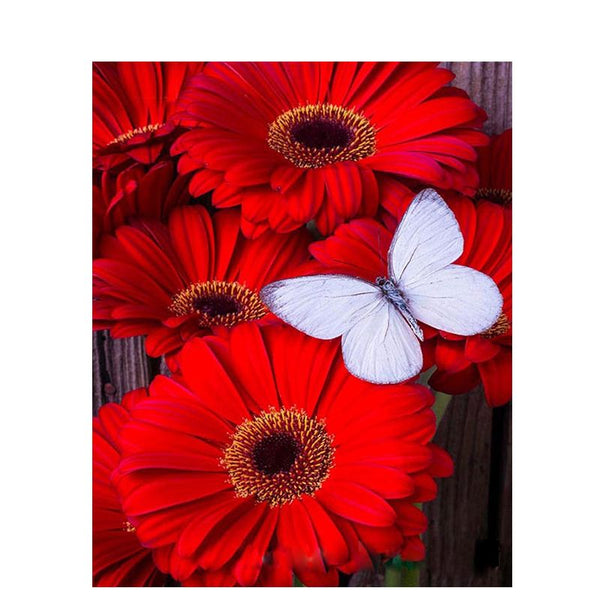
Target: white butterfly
x: 378, y: 321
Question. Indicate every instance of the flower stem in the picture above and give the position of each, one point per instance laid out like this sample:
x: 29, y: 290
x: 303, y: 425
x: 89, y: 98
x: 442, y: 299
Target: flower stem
x: 440, y: 405
x: 393, y: 577
x: 409, y: 574
x: 400, y: 573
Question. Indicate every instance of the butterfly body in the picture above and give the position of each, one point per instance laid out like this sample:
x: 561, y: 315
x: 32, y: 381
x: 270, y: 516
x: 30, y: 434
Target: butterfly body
x: 378, y: 322
x: 394, y: 295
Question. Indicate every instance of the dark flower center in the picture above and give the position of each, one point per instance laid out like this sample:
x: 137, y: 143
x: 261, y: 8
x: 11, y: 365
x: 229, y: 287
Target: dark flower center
x: 278, y: 456
x: 216, y: 306
x: 316, y: 135
x: 218, y: 303
x: 322, y: 133
x: 276, y: 453
x: 496, y: 195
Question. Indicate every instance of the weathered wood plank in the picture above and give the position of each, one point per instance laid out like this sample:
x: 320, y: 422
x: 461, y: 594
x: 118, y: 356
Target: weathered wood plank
x: 119, y: 366
x: 469, y: 536
x: 489, y: 84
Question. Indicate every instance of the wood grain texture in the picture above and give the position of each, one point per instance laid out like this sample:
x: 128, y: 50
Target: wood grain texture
x: 469, y: 536
x: 119, y: 366
x: 489, y: 84
x: 472, y: 512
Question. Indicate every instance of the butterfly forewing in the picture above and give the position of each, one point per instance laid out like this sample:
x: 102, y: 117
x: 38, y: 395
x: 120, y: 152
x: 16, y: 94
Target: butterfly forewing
x: 427, y: 239
x: 448, y: 297
x: 322, y: 306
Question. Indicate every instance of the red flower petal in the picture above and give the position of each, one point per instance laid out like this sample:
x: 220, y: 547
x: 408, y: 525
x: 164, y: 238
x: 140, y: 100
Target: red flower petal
x: 226, y: 540
x: 248, y: 566
x: 457, y: 382
x: 296, y: 533
x: 479, y: 349
x: 210, y: 513
x: 356, y: 503
x: 156, y: 492
x: 301, y: 386
x: 217, y: 391
x: 331, y: 540
x: 304, y: 199
x: 496, y: 375
x: 386, y: 482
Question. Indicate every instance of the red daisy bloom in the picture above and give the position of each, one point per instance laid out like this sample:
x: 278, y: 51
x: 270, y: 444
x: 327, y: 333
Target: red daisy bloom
x: 265, y: 458
x: 193, y: 275
x: 132, y: 107
x: 292, y: 142
x: 136, y: 191
x: 118, y: 556
x: 360, y: 248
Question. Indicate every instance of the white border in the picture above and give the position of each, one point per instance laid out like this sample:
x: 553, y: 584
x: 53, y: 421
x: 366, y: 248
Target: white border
x: 46, y: 225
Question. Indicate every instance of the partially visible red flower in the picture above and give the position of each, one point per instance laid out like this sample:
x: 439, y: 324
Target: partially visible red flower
x: 360, y: 248
x: 136, y: 191
x: 494, y: 165
x: 132, y: 107
x: 292, y: 142
x: 462, y: 363
x: 264, y: 458
x: 188, y: 277
x: 119, y: 559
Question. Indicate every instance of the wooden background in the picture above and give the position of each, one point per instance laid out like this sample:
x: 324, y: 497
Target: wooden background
x: 469, y: 539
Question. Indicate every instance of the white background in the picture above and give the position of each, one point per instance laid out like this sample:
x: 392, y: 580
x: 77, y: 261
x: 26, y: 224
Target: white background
x: 45, y: 139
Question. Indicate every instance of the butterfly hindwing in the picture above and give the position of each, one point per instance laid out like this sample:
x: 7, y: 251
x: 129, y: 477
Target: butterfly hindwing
x: 381, y: 347
x: 455, y: 299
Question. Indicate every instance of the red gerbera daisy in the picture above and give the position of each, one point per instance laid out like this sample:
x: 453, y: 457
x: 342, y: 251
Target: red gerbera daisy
x: 136, y: 191
x: 118, y: 556
x: 265, y: 458
x: 188, y: 277
x: 132, y: 107
x: 292, y: 142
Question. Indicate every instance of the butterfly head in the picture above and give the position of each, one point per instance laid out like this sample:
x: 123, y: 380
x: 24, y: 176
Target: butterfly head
x: 387, y: 286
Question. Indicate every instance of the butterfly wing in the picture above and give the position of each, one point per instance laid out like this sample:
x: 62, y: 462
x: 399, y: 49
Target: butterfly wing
x: 322, y: 306
x: 381, y: 347
x: 377, y: 343
x: 448, y: 297
x: 455, y: 299
x: 427, y: 239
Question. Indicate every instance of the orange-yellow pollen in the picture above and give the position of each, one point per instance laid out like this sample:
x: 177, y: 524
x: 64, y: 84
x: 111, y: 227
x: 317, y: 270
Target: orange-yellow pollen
x: 218, y: 303
x: 500, y: 327
x: 128, y: 527
x: 316, y: 135
x: 128, y: 135
x: 279, y: 456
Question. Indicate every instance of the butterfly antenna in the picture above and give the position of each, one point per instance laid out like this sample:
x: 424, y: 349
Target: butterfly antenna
x: 380, y: 248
